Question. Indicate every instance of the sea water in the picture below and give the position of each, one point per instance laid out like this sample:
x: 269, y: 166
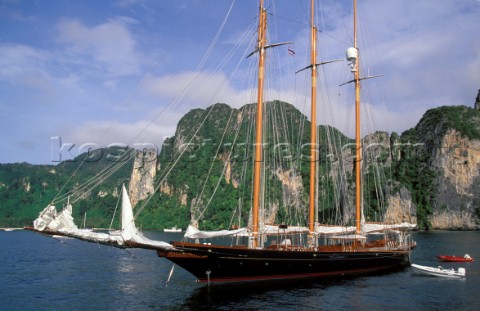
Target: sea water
x: 44, y: 273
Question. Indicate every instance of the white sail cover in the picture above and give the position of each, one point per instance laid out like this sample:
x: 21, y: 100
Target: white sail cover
x: 128, y: 223
x: 63, y: 224
x: 332, y: 230
x: 63, y: 221
x: 366, y: 228
x: 130, y: 232
x: 45, y: 217
x: 372, y: 227
x: 336, y: 231
x: 271, y: 229
x: 194, y: 233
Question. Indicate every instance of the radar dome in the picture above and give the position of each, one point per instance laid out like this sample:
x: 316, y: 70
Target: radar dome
x: 352, y: 54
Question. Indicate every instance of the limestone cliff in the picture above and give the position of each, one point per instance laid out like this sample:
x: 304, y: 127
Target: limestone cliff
x: 400, y: 208
x: 292, y: 191
x: 457, y: 199
x: 380, y: 151
x: 431, y: 172
x: 451, y: 135
x: 143, y: 174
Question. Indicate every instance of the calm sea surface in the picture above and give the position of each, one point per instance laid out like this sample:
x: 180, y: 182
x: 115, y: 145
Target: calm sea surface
x: 41, y: 273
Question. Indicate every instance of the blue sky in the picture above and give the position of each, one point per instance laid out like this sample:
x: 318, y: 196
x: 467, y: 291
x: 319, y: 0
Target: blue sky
x: 94, y: 73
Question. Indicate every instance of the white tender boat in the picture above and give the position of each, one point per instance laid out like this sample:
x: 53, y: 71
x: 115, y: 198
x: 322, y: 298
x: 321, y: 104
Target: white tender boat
x: 449, y: 273
x: 173, y: 229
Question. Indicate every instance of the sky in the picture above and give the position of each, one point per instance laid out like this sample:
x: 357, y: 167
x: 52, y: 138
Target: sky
x: 76, y: 75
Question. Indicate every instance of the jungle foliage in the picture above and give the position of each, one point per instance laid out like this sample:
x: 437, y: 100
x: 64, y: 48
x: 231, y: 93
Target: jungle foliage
x: 201, y: 148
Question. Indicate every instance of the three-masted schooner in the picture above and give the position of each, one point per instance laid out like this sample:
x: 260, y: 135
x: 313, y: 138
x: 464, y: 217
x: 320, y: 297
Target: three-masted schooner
x: 329, y: 250
x: 345, y: 254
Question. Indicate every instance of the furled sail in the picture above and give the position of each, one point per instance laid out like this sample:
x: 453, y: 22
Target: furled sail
x: 373, y: 227
x: 129, y: 236
x: 270, y: 229
x: 194, y: 233
x: 331, y: 230
x: 63, y: 221
x: 45, y: 217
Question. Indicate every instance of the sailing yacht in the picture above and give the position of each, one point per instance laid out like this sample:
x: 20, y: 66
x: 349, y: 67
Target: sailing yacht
x: 329, y: 250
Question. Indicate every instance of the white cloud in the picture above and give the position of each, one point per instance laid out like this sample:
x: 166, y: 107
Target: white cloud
x: 19, y: 61
x: 193, y: 89
x: 426, y: 50
x: 110, y: 45
x: 105, y: 133
x: 127, y: 3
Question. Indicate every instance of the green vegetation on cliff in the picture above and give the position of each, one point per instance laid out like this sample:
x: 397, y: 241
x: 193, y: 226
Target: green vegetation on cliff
x: 436, y: 122
x: 415, y: 170
x: 26, y: 189
x: 200, y: 151
x: 205, y: 148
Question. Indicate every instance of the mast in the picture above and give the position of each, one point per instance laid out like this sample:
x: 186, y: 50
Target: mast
x: 313, y: 116
x: 358, y: 142
x: 262, y: 26
x: 352, y: 56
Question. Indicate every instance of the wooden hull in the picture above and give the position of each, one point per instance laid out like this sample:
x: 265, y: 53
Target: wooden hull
x: 212, y: 263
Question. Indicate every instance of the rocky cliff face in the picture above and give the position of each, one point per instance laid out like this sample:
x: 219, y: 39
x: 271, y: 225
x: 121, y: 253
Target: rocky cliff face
x: 449, y: 153
x: 457, y: 199
x: 292, y: 191
x: 400, y: 208
x: 452, y: 144
x: 143, y: 174
x: 380, y: 151
x: 455, y: 159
